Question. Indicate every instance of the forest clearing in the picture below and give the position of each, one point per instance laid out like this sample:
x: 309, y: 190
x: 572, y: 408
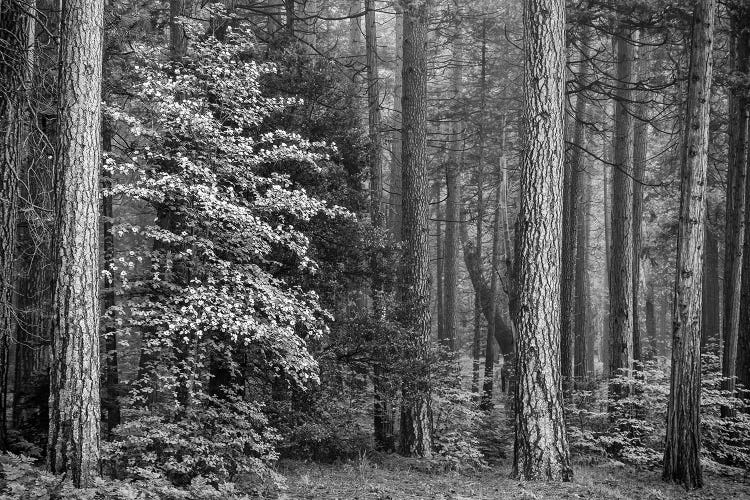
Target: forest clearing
x: 374, y: 249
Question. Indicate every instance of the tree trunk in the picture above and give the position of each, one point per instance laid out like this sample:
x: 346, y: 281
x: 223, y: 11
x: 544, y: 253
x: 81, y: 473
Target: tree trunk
x: 111, y: 377
x: 476, y: 343
x: 394, y: 184
x: 178, y: 41
x: 651, y: 329
x: 497, y: 238
x: 682, y: 449
x: 621, y: 264
x: 452, y: 217
x: 16, y: 38
x: 73, y: 441
x: 440, y: 266
x: 640, y: 145
x: 416, y: 410
x: 605, y: 349
x: 710, y: 322
x: 583, y: 349
x: 541, y: 447
x: 736, y: 355
x: 572, y: 323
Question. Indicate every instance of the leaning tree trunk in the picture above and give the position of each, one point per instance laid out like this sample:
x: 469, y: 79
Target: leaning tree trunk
x: 541, y: 446
x: 416, y: 409
x: 621, y: 263
x: 682, y: 450
x: 73, y: 441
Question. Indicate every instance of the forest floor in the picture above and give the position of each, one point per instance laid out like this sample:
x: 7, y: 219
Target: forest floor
x: 391, y: 478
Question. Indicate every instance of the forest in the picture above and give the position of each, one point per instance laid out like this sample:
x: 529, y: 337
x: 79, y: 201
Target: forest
x: 374, y: 249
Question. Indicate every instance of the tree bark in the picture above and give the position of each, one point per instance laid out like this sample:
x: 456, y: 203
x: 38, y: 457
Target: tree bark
x: 111, y: 377
x: 736, y: 355
x: 416, y: 410
x: 621, y: 263
x: 178, y: 40
x: 16, y: 41
x: 683, y: 442
x: 452, y: 216
x: 476, y: 343
x: 394, y: 184
x: 711, y: 321
x: 573, y: 318
x: 541, y: 447
x: 73, y: 441
x: 640, y: 145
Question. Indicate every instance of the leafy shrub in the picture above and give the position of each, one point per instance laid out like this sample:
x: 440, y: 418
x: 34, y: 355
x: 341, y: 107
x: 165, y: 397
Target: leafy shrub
x: 632, y: 429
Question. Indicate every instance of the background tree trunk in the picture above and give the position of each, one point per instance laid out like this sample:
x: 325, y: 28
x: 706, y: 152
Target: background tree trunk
x: 16, y: 39
x: 73, y: 441
x: 737, y: 343
x: 683, y: 443
x: 541, y: 447
x: 621, y: 263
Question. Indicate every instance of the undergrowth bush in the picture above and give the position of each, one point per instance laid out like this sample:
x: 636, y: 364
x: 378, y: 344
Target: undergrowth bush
x: 632, y: 429
x: 221, y: 441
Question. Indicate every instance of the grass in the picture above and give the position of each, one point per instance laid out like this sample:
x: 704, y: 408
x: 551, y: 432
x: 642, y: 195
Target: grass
x: 380, y: 477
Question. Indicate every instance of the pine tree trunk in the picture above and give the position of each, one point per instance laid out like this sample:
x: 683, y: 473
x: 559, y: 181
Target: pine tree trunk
x: 710, y: 322
x: 573, y: 305
x: 640, y: 145
x: 111, y: 377
x: 452, y: 216
x: 439, y: 265
x: 476, y: 344
x: 394, y: 184
x: 73, y: 441
x: 178, y: 41
x: 16, y: 38
x: 583, y: 348
x: 621, y: 263
x: 605, y: 349
x: 736, y: 355
x: 541, y: 447
x: 651, y: 329
x: 416, y: 410
x: 683, y: 442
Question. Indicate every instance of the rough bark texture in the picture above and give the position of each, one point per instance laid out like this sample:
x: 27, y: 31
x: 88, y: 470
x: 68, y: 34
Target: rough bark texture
x: 416, y: 411
x: 16, y: 34
x: 541, y: 447
x: 73, y: 441
x: 621, y: 262
x: 737, y: 349
x: 683, y: 443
